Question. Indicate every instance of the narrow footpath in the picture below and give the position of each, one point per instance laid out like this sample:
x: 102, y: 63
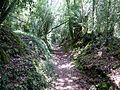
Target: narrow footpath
x: 68, y: 77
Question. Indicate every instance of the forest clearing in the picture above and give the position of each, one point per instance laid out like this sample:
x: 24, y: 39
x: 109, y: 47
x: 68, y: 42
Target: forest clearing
x: 60, y: 45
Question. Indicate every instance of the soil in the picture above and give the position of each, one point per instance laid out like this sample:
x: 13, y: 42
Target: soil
x: 67, y: 76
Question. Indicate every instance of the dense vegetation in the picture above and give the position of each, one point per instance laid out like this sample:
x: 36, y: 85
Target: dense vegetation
x: 30, y: 28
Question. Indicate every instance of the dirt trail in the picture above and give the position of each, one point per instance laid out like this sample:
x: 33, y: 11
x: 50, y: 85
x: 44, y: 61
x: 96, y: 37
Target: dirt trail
x: 68, y: 77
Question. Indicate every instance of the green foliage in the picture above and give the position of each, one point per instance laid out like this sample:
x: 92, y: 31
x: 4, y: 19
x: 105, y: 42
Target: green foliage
x: 41, y: 45
x: 87, y: 25
x: 91, y: 16
x: 10, y: 45
x: 36, y: 22
x: 37, y: 72
x: 36, y: 78
x: 103, y: 86
x: 5, y: 9
x: 4, y: 58
x: 41, y: 50
x: 31, y: 77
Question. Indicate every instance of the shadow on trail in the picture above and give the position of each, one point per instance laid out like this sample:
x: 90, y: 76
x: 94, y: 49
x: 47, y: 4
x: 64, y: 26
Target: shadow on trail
x: 68, y: 77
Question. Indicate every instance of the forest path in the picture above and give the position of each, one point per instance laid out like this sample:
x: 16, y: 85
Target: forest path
x: 68, y: 77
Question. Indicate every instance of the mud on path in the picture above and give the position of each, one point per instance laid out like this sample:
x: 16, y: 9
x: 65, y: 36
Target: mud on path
x: 68, y: 77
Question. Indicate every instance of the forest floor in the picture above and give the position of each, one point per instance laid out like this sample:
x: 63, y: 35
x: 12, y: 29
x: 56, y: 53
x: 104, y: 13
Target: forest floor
x: 67, y: 76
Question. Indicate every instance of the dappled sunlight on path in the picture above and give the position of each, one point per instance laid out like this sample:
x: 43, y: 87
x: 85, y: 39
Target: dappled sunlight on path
x: 68, y: 78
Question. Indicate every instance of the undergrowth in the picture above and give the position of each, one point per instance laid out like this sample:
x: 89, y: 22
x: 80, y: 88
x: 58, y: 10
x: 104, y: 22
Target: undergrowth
x: 87, y: 55
x: 10, y: 44
x: 33, y: 71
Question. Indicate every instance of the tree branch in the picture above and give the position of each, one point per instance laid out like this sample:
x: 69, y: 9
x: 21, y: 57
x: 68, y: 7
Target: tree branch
x: 57, y: 26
